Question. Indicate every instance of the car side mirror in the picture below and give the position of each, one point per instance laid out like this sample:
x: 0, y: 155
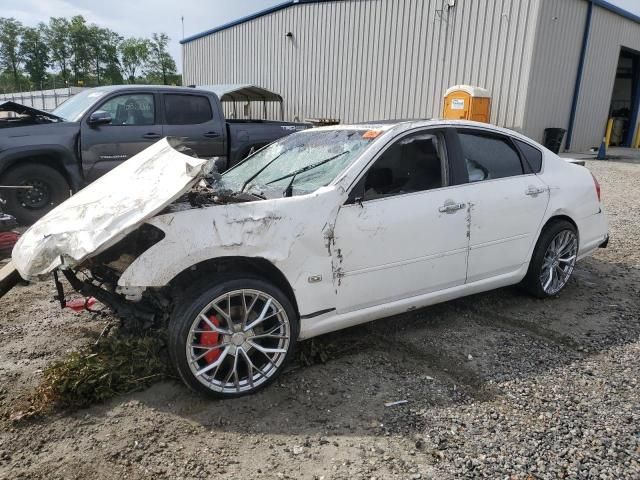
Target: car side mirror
x: 100, y: 117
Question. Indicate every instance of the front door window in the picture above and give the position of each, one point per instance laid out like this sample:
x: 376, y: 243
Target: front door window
x: 138, y: 109
x: 413, y: 164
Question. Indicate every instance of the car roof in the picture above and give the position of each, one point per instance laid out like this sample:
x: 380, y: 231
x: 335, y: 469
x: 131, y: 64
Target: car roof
x: 112, y: 88
x: 399, y: 126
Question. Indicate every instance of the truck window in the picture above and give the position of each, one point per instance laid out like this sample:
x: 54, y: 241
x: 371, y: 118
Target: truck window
x: 186, y: 109
x: 137, y: 109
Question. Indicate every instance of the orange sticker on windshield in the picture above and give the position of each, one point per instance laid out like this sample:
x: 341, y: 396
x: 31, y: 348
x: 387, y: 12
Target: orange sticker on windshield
x: 371, y: 134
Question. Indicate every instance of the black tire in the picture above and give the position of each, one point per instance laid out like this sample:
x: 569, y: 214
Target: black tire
x: 531, y: 281
x: 188, y: 309
x: 27, y: 206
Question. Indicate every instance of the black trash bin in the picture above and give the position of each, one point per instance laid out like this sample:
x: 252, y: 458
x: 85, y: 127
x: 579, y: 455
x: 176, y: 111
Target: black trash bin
x: 553, y: 139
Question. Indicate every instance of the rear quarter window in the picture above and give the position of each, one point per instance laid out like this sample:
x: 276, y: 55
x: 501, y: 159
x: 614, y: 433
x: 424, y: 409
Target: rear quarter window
x: 488, y: 156
x: 532, y: 155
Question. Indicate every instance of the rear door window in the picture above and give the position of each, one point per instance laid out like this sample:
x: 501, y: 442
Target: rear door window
x: 532, y: 155
x: 488, y: 156
x: 186, y: 109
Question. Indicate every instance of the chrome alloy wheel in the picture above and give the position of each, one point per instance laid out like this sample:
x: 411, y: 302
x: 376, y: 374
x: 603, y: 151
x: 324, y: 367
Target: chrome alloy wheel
x: 238, y: 341
x: 559, y: 261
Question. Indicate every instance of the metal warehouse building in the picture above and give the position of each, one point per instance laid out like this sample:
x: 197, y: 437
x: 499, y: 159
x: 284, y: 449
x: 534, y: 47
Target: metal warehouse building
x: 547, y: 63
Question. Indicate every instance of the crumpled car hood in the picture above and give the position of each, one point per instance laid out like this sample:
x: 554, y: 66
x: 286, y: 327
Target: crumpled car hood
x: 9, y: 106
x: 104, y: 212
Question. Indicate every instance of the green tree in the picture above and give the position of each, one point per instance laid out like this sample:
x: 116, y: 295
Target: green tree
x: 134, y: 53
x: 79, y: 39
x: 110, y: 52
x: 160, y: 64
x: 103, y: 45
x: 10, y: 57
x: 58, y: 38
x: 34, y: 51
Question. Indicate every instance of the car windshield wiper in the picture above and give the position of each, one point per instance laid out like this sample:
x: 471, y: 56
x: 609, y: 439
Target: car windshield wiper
x: 244, y: 185
x: 289, y: 190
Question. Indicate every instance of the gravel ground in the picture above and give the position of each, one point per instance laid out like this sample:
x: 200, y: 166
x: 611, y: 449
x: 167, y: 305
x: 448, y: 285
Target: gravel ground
x: 498, y: 385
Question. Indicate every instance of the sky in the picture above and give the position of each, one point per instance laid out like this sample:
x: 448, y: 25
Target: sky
x: 141, y: 18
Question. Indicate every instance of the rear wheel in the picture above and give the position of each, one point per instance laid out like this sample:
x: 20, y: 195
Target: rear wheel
x: 233, y: 338
x: 553, y: 260
x: 44, y: 188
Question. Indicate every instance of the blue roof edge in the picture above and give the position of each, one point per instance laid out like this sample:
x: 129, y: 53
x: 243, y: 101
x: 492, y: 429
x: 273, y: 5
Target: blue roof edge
x: 616, y: 9
x: 253, y: 16
x: 281, y: 6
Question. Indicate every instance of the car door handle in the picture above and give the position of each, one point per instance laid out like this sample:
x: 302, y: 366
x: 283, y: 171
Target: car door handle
x: 151, y: 135
x: 212, y: 134
x: 535, y: 191
x: 451, y: 207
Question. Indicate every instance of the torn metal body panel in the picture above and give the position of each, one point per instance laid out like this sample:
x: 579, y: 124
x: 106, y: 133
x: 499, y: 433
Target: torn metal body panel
x: 97, y: 217
x: 288, y: 232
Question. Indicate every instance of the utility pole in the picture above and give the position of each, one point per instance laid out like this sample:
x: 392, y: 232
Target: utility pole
x: 182, y: 19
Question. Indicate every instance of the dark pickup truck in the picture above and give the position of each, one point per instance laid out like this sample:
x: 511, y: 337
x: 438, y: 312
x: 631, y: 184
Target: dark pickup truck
x: 46, y: 156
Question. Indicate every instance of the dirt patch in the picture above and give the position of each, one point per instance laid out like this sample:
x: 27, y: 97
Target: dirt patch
x: 498, y: 385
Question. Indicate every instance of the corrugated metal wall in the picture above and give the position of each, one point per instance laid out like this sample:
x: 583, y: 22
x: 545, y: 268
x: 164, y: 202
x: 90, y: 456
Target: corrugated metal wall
x: 359, y: 60
x: 609, y: 32
x: 554, y: 65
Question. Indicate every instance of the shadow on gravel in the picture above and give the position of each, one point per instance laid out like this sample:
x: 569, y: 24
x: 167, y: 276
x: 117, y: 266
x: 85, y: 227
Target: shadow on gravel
x: 450, y: 353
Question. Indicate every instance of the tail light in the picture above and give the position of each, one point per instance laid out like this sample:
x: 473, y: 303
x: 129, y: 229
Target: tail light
x: 597, y: 185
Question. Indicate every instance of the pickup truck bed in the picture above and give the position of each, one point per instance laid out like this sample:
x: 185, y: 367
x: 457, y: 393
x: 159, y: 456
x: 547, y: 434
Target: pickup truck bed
x: 247, y: 136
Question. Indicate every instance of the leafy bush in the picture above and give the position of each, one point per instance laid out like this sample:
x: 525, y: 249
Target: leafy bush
x: 115, y: 365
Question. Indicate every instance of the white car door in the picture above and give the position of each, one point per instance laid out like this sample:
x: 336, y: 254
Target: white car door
x: 404, y: 231
x: 507, y: 203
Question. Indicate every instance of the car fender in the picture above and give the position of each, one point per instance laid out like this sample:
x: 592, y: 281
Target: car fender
x: 295, y: 234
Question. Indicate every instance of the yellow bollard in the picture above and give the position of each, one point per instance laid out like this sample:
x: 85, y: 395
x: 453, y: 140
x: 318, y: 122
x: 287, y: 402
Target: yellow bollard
x: 607, y: 137
x: 636, y: 139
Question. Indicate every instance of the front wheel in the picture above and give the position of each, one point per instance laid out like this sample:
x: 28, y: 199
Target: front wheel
x: 553, y: 261
x: 232, y: 338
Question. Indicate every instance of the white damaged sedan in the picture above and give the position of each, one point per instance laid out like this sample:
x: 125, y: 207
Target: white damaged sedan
x: 321, y: 230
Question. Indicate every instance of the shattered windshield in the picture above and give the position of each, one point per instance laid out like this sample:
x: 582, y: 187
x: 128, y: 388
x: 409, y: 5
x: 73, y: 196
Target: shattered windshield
x: 297, y: 164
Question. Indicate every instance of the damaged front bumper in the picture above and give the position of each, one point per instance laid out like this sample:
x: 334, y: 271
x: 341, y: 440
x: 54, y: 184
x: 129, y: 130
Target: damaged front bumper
x: 140, y: 314
x: 98, y: 277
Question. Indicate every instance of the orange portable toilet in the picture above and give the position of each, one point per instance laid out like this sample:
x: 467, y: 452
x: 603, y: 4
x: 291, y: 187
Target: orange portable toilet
x: 466, y: 102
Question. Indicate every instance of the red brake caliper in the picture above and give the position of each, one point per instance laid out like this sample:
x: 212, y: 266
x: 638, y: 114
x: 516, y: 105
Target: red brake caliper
x: 210, y: 339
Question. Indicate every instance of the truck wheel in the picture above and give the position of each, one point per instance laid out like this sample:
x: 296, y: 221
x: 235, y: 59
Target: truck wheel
x: 48, y: 189
x: 233, y: 336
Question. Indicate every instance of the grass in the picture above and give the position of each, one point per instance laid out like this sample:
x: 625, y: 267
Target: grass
x: 115, y: 365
